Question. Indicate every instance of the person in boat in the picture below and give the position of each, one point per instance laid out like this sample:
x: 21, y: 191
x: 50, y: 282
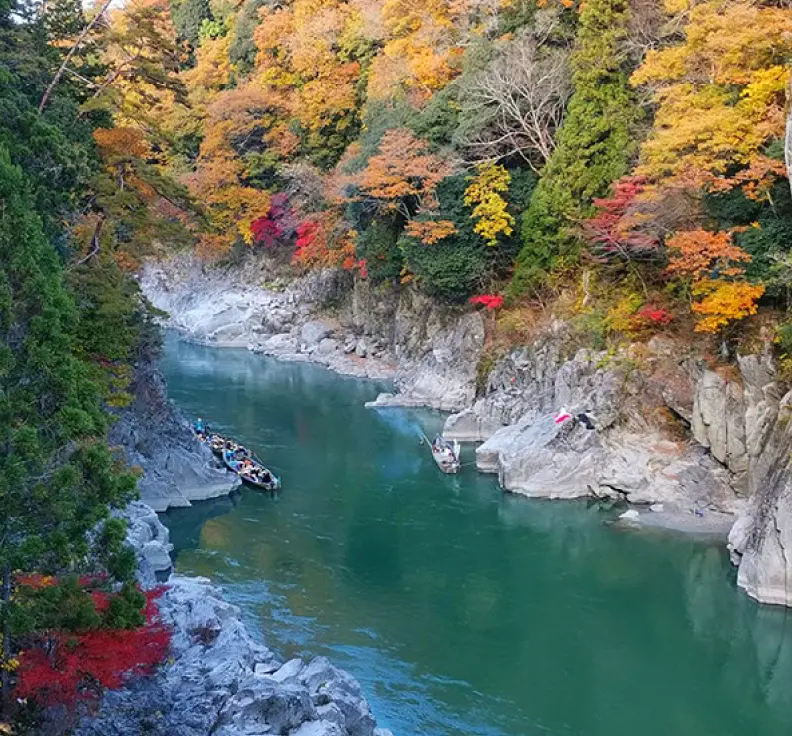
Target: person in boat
x: 198, y: 426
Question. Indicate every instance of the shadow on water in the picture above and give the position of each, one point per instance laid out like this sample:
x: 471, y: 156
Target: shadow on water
x: 460, y: 609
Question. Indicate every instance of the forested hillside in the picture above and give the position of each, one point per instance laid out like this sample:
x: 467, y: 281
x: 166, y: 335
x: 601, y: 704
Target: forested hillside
x: 72, y: 324
x: 620, y: 161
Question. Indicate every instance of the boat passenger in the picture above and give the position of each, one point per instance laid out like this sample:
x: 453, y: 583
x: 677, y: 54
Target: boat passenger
x: 198, y: 426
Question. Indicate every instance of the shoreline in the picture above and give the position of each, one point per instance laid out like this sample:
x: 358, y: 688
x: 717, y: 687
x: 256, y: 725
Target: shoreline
x: 714, y: 525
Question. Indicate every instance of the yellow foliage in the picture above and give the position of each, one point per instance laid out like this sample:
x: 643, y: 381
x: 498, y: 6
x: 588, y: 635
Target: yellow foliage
x: 722, y: 302
x: 620, y: 317
x: 721, y: 93
x: 484, y: 194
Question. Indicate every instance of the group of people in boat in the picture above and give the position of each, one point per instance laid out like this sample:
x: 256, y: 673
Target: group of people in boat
x: 237, y: 457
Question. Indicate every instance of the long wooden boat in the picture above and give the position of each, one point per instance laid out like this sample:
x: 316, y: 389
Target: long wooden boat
x: 258, y: 476
x: 445, y: 454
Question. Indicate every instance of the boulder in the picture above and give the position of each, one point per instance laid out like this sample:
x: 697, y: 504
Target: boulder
x: 312, y: 333
x: 327, y: 346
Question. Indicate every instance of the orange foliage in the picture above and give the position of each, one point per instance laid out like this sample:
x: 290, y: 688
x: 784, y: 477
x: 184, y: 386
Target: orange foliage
x: 709, y: 259
x: 403, y: 168
x: 695, y: 253
x: 124, y: 142
x: 430, y: 231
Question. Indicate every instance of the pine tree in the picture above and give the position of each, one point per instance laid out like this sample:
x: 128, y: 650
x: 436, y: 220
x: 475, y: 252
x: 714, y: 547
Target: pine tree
x: 188, y: 15
x: 57, y: 477
x: 594, y: 145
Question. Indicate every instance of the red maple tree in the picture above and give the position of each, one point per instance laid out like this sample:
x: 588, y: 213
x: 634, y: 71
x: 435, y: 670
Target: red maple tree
x: 614, y: 233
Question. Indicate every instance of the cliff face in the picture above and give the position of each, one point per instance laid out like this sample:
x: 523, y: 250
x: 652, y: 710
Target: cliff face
x: 174, y: 468
x: 670, y: 430
x: 430, y: 352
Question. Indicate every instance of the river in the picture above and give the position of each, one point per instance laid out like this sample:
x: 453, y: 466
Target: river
x: 461, y: 609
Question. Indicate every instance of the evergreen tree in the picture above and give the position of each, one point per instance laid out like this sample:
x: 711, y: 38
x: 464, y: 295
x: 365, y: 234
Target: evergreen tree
x: 594, y: 145
x: 57, y: 477
x: 188, y: 15
x: 242, y: 52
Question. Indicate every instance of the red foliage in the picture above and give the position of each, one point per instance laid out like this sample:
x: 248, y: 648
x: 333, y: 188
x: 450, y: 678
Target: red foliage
x: 307, y: 237
x: 275, y: 224
x: 68, y: 668
x: 655, y: 315
x: 362, y: 266
x: 613, y: 233
x: 488, y: 301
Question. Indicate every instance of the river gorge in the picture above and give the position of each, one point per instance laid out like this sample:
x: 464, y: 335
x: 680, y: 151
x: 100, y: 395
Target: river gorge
x: 461, y: 609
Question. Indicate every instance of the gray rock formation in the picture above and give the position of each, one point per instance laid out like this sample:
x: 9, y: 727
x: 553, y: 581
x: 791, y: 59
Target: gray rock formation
x: 429, y: 351
x: 219, y: 679
x: 156, y: 440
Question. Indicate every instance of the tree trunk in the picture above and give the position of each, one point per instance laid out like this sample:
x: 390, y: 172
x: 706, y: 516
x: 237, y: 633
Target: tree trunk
x: 72, y: 51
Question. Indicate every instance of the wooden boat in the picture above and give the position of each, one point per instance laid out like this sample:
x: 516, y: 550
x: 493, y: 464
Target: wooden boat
x: 445, y: 454
x: 258, y: 477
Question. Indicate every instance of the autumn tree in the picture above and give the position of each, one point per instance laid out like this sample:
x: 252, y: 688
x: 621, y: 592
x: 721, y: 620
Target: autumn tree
x: 593, y: 147
x: 485, y: 194
x: 516, y: 104
x: 720, y: 94
x: 403, y: 175
x: 713, y: 266
x: 618, y: 231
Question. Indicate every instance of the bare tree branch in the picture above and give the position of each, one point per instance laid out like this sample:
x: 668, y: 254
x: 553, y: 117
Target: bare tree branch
x: 517, y: 103
x: 72, y: 51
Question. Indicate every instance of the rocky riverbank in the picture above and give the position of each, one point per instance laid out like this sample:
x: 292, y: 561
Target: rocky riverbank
x: 219, y: 680
x: 156, y: 441
x: 707, y: 443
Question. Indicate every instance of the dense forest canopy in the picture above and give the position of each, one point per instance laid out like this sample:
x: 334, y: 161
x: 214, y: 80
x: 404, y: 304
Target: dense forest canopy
x: 632, y: 151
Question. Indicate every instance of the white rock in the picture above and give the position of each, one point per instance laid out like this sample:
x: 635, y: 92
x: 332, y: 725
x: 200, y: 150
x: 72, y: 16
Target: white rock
x: 312, y: 333
x: 656, y: 507
x: 631, y: 515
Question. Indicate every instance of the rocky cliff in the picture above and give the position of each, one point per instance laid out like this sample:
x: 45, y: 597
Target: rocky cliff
x: 156, y: 440
x: 219, y: 679
x: 707, y: 443
x: 430, y: 352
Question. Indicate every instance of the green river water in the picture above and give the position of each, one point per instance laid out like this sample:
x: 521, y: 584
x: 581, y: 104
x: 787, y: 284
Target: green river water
x: 461, y: 609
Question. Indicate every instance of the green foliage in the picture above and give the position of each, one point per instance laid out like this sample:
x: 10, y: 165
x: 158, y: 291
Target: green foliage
x: 57, y: 478
x: 65, y: 606
x: 594, y: 145
x: 377, y: 245
x: 125, y: 609
x: 439, y: 119
x: 188, y: 17
x: 212, y: 29
x: 766, y: 236
x: 462, y: 264
x: 242, y: 52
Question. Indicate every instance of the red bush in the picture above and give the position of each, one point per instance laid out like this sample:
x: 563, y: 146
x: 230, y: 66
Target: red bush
x: 67, y: 668
x: 488, y: 301
x: 655, y: 316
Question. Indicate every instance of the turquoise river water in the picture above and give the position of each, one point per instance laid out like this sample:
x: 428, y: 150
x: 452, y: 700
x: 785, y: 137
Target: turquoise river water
x: 461, y: 609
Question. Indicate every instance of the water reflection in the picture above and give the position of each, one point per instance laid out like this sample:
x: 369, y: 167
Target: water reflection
x: 460, y: 609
